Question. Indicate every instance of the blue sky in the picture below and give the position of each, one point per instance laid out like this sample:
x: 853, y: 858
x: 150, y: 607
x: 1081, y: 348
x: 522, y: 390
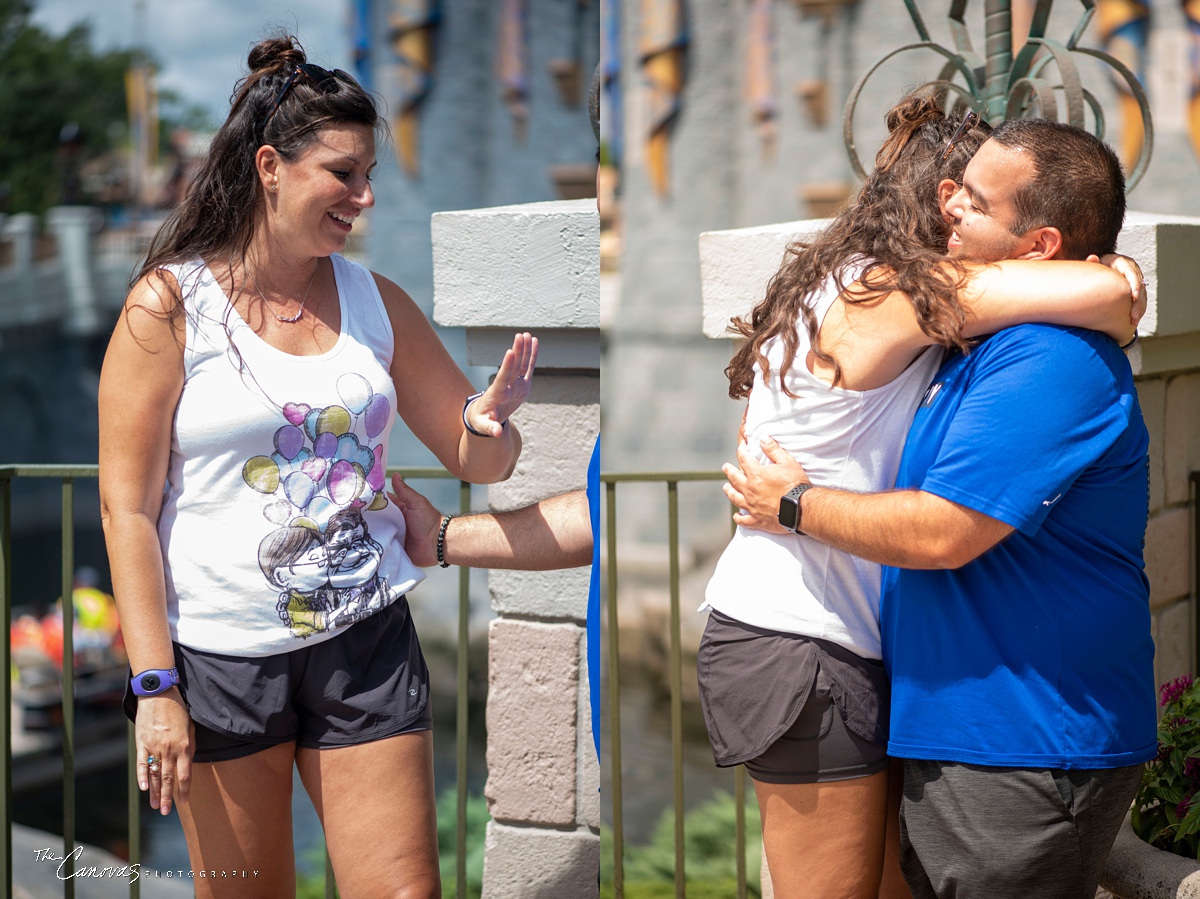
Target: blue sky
x: 201, y: 45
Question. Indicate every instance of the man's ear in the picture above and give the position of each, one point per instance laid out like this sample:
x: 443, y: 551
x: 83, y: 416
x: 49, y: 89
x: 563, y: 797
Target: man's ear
x: 946, y: 188
x: 1039, y: 243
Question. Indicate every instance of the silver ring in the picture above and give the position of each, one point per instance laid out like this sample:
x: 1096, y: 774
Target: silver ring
x: 152, y: 764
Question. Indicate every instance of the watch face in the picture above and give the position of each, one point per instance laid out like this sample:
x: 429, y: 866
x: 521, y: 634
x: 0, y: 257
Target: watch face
x: 151, y: 682
x: 787, y: 512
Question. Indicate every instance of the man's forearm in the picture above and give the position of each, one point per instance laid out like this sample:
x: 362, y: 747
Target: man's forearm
x: 554, y: 533
x: 903, y: 528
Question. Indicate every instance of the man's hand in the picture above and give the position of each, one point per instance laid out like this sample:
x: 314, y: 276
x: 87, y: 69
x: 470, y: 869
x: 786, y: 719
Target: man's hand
x: 422, y: 521
x: 756, y: 488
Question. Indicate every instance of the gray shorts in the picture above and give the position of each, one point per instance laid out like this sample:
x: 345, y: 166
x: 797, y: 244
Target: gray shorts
x: 970, y: 831
x: 367, y: 683
x: 793, y: 709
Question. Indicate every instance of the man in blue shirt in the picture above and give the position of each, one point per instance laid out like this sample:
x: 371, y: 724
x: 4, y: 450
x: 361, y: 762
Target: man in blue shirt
x: 1015, y: 608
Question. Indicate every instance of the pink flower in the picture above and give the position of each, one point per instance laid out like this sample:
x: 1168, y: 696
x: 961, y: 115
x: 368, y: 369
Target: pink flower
x: 1172, y: 690
x: 1184, y: 804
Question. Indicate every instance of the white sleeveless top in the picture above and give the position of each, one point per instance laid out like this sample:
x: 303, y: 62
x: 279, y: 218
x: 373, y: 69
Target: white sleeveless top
x: 848, y: 439
x: 275, y: 528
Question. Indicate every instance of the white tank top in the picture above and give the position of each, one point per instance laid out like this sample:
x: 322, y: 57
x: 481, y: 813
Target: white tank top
x: 275, y: 528
x: 848, y: 439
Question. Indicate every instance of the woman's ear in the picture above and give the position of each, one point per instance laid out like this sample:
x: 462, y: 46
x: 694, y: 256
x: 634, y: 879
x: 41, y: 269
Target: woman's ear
x: 946, y: 188
x: 267, y: 161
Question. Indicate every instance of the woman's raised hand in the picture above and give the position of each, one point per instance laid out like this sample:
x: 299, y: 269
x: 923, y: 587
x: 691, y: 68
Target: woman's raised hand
x: 1132, y: 272
x: 508, y: 390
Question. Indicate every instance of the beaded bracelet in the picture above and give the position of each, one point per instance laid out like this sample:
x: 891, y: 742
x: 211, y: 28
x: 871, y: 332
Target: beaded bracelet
x: 441, y: 541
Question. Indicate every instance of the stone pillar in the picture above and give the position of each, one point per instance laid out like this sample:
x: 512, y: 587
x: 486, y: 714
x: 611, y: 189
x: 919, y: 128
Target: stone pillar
x: 1166, y: 362
x: 535, y: 267
x: 73, y: 227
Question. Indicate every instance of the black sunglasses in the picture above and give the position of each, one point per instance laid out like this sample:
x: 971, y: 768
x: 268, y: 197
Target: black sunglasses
x: 323, y: 80
x: 969, y: 121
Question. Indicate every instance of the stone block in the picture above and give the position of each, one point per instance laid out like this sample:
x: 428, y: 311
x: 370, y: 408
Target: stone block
x: 1173, y: 642
x: 570, y: 348
x: 736, y: 266
x: 534, y: 265
x: 1181, y: 435
x: 541, y: 594
x: 533, y: 689
x: 1152, y: 397
x: 559, y: 423
x: 1167, y: 554
x: 587, y: 788
x: 1165, y: 248
x: 525, y: 863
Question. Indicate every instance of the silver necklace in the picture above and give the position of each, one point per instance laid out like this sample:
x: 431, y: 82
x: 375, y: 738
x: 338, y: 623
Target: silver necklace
x: 300, y: 311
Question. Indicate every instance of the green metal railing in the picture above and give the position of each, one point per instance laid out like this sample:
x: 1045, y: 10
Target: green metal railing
x: 671, y: 480
x: 68, y: 474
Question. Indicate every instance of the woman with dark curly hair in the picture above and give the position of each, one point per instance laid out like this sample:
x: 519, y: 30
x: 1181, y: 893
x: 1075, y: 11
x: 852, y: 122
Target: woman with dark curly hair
x: 837, y: 357
x: 245, y: 405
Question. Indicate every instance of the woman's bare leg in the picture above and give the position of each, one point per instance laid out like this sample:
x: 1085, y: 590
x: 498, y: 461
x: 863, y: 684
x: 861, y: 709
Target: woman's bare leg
x: 238, y: 823
x: 825, y: 840
x: 893, y: 885
x: 376, y: 803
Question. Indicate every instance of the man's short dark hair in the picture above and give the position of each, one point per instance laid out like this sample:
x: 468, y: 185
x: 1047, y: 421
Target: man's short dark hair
x: 1077, y: 186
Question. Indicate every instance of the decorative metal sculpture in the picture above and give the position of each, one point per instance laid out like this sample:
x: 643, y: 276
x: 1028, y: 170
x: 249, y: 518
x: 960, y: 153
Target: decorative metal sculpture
x: 412, y: 24
x: 512, y: 63
x: 662, y: 42
x: 1000, y: 86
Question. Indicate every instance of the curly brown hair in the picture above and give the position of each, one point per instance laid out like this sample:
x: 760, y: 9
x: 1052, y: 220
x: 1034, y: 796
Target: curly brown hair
x: 894, y: 223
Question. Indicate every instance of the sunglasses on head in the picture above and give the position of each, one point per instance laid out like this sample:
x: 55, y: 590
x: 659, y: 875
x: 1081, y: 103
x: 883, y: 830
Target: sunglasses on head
x: 970, y: 120
x: 322, y: 79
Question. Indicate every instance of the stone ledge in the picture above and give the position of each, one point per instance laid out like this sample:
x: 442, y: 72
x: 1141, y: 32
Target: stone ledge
x: 535, y: 265
x: 1136, y: 870
x: 736, y: 265
x: 522, y: 863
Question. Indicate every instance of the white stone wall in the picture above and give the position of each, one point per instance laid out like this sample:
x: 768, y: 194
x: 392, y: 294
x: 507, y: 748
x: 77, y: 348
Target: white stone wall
x: 535, y: 267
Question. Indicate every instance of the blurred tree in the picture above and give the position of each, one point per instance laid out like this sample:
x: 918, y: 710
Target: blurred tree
x: 47, y: 85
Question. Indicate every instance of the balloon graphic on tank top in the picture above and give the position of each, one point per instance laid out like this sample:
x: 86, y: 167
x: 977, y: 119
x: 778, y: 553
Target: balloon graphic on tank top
x: 325, y: 445
x: 295, y: 412
x: 299, y: 488
x: 315, y: 468
x: 289, y: 440
x: 375, y: 474
x: 376, y: 415
x: 262, y: 474
x: 333, y: 420
x: 345, y: 482
x: 279, y: 512
x: 320, y: 510
x: 380, y: 501
x: 355, y: 391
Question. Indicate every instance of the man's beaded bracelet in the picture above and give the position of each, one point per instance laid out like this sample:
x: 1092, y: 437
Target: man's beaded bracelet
x: 441, y: 541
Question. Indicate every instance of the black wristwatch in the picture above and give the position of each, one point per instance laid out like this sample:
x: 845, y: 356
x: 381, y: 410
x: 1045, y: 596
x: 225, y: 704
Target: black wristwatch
x: 789, y: 508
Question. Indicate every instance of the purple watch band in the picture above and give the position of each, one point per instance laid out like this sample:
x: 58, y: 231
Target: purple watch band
x: 154, y: 681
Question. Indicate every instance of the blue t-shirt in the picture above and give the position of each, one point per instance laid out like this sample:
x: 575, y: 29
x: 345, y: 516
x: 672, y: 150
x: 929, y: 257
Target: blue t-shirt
x: 593, y: 609
x: 1038, y: 653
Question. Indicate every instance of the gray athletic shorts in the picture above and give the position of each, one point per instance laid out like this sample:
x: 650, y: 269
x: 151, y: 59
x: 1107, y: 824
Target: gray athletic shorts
x: 793, y: 709
x: 367, y: 683
x: 976, y: 832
